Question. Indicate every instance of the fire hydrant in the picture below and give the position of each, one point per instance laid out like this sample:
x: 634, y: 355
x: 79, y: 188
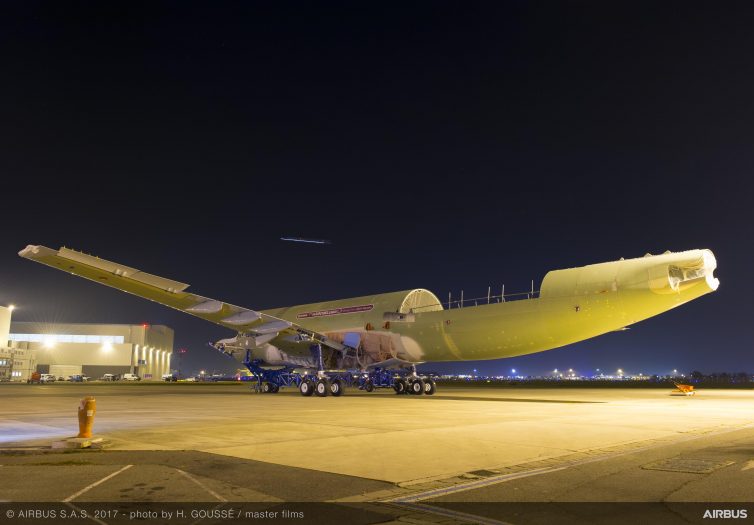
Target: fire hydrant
x: 87, y: 409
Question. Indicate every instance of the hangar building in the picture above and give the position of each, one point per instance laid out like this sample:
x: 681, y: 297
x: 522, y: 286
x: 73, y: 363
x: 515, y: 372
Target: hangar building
x: 96, y: 349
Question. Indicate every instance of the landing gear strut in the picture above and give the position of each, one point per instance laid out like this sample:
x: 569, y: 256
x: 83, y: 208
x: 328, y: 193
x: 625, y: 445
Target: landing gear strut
x: 321, y: 385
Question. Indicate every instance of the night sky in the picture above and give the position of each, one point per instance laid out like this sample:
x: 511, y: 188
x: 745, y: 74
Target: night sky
x: 440, y: 145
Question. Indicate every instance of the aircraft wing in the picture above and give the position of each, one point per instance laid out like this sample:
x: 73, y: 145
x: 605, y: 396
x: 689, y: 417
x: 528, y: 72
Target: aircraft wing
x: 168, y: 292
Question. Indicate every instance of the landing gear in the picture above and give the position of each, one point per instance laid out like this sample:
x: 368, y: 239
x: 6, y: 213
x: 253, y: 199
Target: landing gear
x: 400, y: 386
x: 416, y: 386
x: 306, y: 387
x: 369, y: 385
x: 322, y: 387
x: 429, y: 387
x: 336, y: 387
x: 270, y: 388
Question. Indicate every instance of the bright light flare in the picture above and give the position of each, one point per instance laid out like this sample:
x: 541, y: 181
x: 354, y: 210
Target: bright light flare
x: 49, y: 342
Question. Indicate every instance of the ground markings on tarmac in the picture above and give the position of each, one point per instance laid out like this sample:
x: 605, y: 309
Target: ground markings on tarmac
x: 131, y: 482
x: 202, y: 485
x: 91, y: 486
x: 426, y: 489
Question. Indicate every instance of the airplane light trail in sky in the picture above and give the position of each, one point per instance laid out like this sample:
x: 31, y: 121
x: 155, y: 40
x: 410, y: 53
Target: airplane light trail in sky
x: 310, y: 241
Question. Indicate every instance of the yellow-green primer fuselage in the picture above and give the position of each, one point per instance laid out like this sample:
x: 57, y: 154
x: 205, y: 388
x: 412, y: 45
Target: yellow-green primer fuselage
x: 573, y: 305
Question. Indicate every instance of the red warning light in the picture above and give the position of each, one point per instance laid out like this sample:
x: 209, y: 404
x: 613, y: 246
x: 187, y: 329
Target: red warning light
x: 145, y: 325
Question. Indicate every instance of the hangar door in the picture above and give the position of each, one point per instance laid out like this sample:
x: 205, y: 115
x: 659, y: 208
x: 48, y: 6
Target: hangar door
x: 65, y: 370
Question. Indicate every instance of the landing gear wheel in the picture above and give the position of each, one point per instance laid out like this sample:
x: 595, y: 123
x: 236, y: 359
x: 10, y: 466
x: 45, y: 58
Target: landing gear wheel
x: 369, y: 386
x: 416, y: 386
x: 321, y: 388
x: 429, y: 387
x: 306, y: 388
x: 267, y: 388
x: 336, y: 387
x: 275, y: 388
x: 400, y: 386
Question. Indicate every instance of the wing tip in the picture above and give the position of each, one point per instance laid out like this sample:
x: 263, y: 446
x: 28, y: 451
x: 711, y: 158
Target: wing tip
x: 30, y: 250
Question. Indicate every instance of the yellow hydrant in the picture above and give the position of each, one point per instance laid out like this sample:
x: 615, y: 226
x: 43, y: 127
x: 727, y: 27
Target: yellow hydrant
x: 87, y: 409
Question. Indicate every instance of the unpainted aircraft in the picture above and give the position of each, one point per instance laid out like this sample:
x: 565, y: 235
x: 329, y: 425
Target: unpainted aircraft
x: 317, y: 346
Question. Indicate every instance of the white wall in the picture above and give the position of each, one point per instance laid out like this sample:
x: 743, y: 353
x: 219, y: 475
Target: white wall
x: 4, y: 325
x: 83, y: 353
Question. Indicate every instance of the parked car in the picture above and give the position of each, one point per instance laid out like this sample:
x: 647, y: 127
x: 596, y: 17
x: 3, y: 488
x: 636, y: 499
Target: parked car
x: 47, y: 378
x: 131, y: 377
x: 35, y: 377
x: 108, y: 377
x: 169, y: 377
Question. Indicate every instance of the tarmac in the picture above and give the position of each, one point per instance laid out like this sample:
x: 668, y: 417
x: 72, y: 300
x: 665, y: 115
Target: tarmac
x: 464, y: 455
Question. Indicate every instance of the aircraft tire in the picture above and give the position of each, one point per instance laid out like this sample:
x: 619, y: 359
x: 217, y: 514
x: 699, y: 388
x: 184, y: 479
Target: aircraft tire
x: 266, y: 388
x: 400, y: 386
x: 275, y: 388
x: 416, y: 386
x: 429, y: 387
x: 369, y: 386
x: 336, y: 387
x: 321, y: 388
x: 306, y: 388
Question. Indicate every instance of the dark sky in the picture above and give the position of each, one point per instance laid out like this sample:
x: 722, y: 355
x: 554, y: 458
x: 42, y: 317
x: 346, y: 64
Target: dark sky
x: 441, y: 145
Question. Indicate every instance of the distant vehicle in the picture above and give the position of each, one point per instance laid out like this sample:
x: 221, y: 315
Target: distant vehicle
x: 190, y: 379
x: 47, y: 378
x: 108, y: 377
x: 61, y: 378
x: 131, y: 377
x: 35, y: 377
x: 76, y: 378
x: 220, y: 377
x: 169, y: 377
x: 85, y: 378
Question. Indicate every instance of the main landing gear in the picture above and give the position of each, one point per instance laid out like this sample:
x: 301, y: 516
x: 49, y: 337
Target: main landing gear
x: 321, y: 385
x: 411, y: 383
x: 414, y: 384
